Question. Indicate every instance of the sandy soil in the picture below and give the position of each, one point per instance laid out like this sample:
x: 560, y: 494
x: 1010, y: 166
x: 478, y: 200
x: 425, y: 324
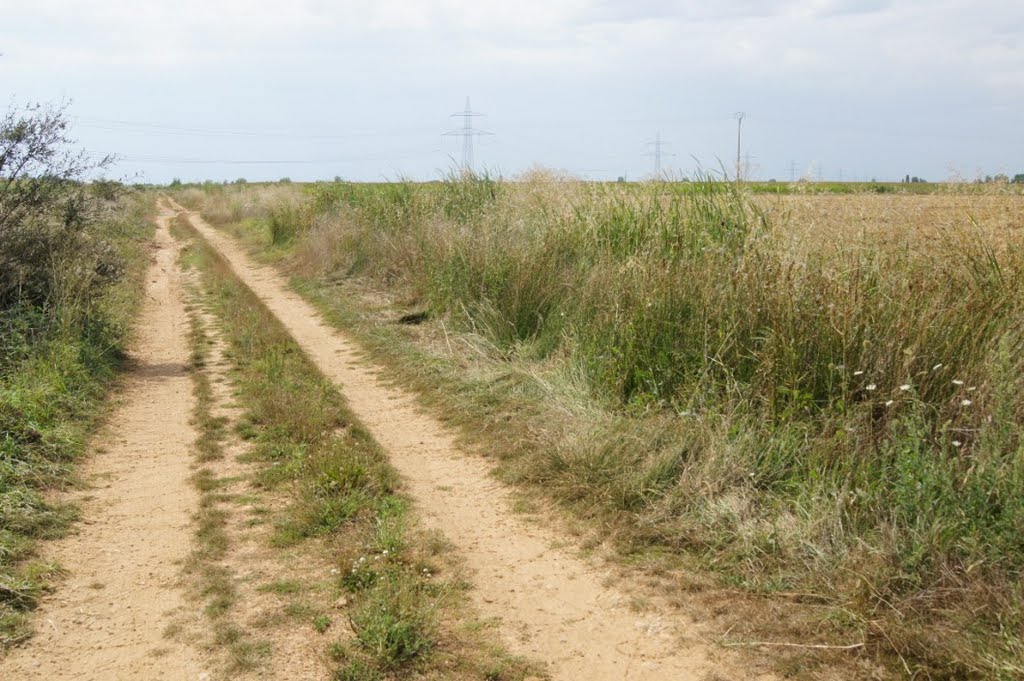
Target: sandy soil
x: 552, y: 605
x: 107, y: 620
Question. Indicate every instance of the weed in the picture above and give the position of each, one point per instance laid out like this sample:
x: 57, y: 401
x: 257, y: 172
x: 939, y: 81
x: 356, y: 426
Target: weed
x: 357, y: 670
x: 321, y: 623
x: 281, y: 587
x: 393, y: 623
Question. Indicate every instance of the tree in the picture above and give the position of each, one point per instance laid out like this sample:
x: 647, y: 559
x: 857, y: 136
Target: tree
x: 45, y: 206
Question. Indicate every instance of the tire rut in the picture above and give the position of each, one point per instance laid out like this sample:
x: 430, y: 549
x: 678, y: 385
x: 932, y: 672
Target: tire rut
x: 107, y: 620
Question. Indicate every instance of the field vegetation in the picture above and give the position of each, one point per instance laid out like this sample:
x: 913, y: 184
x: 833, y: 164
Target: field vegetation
x: 71, y: 259
x: 817, y: 395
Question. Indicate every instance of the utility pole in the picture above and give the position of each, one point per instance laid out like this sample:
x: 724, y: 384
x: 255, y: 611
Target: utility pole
x: 467, y: 132
x: 658, y: 144
x: 739, y: 132
x: 792, y: 171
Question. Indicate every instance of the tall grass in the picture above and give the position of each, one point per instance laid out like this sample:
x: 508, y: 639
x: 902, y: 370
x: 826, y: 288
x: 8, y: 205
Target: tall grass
x: 830, y: 414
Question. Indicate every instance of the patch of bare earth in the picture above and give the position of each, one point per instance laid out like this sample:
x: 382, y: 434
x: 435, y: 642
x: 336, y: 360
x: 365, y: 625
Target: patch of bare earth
x: 106, y: 621
x: 552, y: 605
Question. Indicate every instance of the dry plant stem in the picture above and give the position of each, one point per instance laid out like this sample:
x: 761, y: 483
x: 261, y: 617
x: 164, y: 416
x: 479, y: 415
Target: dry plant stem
x: 813, y: 646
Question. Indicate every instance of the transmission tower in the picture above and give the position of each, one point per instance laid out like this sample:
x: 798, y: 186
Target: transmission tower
x: 657, y: 152
x: 467, y: 132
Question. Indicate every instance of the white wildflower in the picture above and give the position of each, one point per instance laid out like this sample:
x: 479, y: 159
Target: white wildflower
x: 905, y: 387
x: 957, y: 443
x: 857, y: 373
x: 870, y: 386
x: 965, y: 403
x: 957, y: 381
x: 972, y: 388
x: 889, y: 403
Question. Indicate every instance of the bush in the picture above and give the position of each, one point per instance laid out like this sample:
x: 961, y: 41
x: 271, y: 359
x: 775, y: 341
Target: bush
x: 45, y: 207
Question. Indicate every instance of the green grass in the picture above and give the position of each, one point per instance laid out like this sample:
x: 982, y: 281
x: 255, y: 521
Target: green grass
x: 843, y: 421
x: 57, y: 364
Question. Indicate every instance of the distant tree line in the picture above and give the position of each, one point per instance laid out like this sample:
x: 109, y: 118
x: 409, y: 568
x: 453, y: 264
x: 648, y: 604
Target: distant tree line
x: 1002, y: 178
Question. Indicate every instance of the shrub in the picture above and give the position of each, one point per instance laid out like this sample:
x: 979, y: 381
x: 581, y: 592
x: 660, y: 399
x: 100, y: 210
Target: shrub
x: 44, y: 210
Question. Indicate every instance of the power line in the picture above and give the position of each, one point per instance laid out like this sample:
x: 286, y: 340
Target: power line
x: 160, y: 129
x: 467, y: 132
x: 185, y: 160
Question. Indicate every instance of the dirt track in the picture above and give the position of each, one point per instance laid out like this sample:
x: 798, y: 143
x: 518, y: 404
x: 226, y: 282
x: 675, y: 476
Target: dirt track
x: 553, y: 606
x: 106, y: 621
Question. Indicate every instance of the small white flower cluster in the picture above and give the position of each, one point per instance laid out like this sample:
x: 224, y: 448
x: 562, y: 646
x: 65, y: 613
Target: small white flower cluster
x: 964, y: 402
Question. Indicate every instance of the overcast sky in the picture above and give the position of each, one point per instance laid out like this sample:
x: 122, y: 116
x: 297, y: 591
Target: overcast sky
x: 851, y: 89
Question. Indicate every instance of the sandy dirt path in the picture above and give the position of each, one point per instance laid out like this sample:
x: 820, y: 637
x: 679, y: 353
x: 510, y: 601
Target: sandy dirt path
x: 106, y: 621
x: 553, y: 606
